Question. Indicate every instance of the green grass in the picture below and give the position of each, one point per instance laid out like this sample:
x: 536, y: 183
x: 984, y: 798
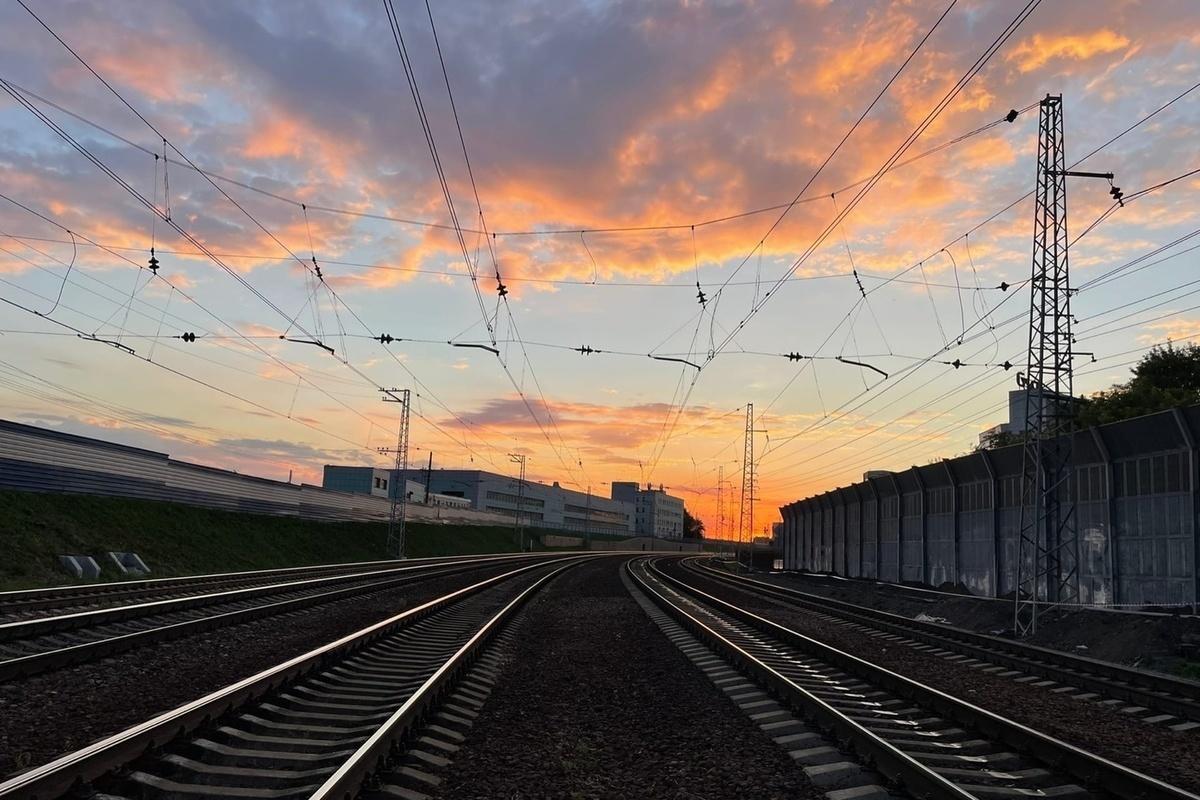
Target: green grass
x: 175, y: 539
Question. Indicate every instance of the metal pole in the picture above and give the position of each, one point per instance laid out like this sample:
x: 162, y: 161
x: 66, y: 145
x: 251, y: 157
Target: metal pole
x: 428, y: 477
x: 398, y: 493
x: 520, y: 532
x: 587, y: 521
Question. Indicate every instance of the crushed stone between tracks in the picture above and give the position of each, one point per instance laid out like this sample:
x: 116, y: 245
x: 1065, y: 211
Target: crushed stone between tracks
x: 597, y: 703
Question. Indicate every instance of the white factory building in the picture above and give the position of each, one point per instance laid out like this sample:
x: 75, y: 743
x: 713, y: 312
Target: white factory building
x: 541, y: 505
x: 656, y: 513
x: 630, y: 510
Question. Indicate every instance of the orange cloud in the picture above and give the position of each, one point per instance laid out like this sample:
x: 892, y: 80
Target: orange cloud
x: 1041, y: 49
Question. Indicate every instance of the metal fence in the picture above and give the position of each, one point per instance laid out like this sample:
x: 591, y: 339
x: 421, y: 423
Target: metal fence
x: 956, y: 523
x: 39, y: 460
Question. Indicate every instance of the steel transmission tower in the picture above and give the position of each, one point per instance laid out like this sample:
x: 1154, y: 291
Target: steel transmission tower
x: 1048, y: 545
x: 746, y: 510
x: 399, y: 493
x: 720, y: 500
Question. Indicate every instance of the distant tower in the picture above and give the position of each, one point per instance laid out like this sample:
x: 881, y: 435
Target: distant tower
x: 720, y: 503
x: 746, y: 510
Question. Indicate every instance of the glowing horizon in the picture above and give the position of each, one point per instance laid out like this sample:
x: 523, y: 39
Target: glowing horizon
x: 579, y: 120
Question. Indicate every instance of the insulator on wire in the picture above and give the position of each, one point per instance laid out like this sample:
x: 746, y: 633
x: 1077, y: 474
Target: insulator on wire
x: 188, y: 336
x: 793, y: 357
x: 956, y: 363
x: 1004, y: 286
x: 859, y: 282
x: 700, y: 294
x: 153, y: 264
x: 584, y: 350
x: 384, y: 338
x: 1007, y: 365
x: 317, y: 267
x: 1011, y: 116
x: 501, y: 289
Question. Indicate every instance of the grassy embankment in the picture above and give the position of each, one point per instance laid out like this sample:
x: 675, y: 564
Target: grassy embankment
x: 177, y: 539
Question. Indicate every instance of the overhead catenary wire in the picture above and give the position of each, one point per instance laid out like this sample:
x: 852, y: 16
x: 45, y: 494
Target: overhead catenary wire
x: 192, y: 240
x: 501, y: 293
x: 785, y: 211
x: 1006, y: 323
x: 567, y: 230
x: 965, y: 237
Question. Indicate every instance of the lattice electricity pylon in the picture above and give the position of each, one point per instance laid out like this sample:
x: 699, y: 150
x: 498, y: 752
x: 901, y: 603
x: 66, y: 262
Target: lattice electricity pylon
x: 720, y: 500
x: 518, y: 530
x: 749, y: 486
x: 399, y: 492
x: 1047, y: 565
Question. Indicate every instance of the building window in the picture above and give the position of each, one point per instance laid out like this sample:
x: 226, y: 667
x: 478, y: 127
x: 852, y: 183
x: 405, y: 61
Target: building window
x: 526, y: 502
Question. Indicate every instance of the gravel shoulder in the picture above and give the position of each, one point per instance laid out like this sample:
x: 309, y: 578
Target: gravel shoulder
x: 1168, y: 755
x: 52, y: 713
x: 596, y: 703
x: 1149, y: 641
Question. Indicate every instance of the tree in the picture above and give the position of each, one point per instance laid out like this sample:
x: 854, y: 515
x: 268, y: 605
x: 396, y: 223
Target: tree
x: 996, y: 439
x: 693, y: 528
x: 1166, y: 377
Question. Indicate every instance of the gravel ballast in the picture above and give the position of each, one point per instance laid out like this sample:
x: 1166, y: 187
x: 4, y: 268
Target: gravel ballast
x: 1168, y: 755
x: 1147, y: 640
x: 49, y: 714
x: 597, y: 703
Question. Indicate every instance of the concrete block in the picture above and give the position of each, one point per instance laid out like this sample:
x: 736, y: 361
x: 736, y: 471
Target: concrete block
x: 836, y: 774
x: 80, y: 566
x: 129, y: 563
x: 868, y: 792
x: 814, y: 756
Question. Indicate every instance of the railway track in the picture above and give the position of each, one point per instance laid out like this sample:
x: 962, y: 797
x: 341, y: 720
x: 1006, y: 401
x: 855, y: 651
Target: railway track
x: 49, y: 642
x: 913, y: 735
x: 1152, y: 697
x: 24, y: 604
x: 319, y: 725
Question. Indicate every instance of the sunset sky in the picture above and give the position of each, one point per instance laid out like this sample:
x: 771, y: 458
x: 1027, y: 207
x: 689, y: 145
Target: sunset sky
x: 576, y: 117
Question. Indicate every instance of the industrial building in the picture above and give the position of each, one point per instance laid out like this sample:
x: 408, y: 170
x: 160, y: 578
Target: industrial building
x: 384, y: 483
x: 540, y: 505
x: 1017, y: 410
x: 36, y: 459
x: 656, y: 513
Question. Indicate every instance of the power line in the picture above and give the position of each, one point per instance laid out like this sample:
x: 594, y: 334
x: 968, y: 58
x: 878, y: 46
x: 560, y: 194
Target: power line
x: 166, y: 218
x: 431, y: 143
x: 573, y: 230
x: 903, y: 374
x: 784, y: 212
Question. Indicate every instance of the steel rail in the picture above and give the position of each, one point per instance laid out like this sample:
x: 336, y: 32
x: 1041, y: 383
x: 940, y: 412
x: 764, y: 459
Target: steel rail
x: 40, y: 626
x: 887, y: 758
x: 349, y: 778
x: 1154, y: 690
x: 1092, y: 770
x: 62, y: 656
x: 114, y: 752
x: 18, y: 600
